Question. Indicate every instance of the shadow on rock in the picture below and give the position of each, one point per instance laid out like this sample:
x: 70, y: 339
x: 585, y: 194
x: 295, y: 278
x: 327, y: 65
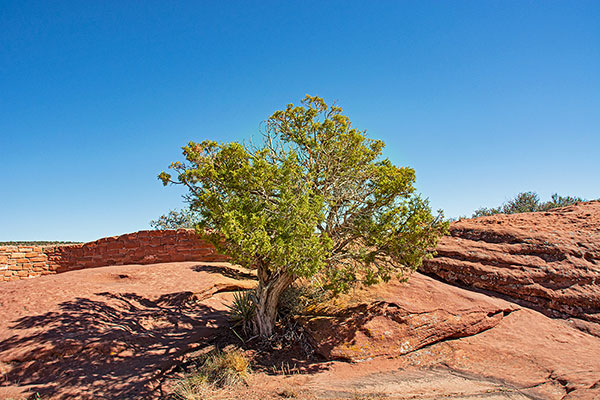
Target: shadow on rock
x: 387, y: 329
x: 224, y: 270
x: 108, y: 346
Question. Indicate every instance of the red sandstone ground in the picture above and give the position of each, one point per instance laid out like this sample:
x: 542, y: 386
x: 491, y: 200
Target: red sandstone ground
x: 111, y: 332
x: 106, y: 333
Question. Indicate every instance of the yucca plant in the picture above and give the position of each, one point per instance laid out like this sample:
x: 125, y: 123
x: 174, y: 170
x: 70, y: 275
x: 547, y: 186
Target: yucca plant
x: 241, y: 311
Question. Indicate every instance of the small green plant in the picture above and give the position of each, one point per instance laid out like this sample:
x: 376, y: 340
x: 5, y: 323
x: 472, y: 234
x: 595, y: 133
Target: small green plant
x: 241, y: 310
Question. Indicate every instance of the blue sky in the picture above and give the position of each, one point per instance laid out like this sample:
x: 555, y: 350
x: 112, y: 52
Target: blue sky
x: 485, y: 99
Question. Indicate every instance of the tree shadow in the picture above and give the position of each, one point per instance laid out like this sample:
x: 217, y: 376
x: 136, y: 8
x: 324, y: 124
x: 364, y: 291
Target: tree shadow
x: 108, y: 346
x: 224, y: 270
x: 332, y: 329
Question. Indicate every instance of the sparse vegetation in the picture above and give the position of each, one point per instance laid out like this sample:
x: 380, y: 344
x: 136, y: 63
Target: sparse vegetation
x: 241, y: 310
x: 213, y: 375
x: 315, y: 198
x: 527, y: 202
x: 176, y: 219
x: 301, y: 297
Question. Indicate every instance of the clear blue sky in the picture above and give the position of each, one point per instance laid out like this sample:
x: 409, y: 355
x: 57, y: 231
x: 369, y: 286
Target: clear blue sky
x: 484, y: 99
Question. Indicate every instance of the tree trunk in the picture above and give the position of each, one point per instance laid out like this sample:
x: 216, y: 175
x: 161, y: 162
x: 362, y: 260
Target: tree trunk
x: 269, y: 290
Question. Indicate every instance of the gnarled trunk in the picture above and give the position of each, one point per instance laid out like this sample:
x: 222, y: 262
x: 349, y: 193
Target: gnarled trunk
x: 269, y: 290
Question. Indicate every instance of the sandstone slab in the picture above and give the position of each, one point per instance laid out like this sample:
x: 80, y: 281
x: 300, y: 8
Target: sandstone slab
x: 427, y: 339
x: 398, y: 318
x: 548, y: 260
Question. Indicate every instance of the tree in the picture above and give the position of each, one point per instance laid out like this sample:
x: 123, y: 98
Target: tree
x: 174, y: 219
x: 315, y: 199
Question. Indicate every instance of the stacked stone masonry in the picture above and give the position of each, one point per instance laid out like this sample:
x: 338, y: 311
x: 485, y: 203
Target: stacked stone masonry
x: 144, y: 247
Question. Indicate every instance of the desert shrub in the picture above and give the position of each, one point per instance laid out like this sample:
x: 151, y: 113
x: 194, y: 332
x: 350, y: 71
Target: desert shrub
x: 194, y: 387
x: 527, y: 202
x: 523, y: 202
x: 300, y: 297
x: 174, y: 219
x: 559, y: 201
x: 225, y: 369
x: 216, y: 371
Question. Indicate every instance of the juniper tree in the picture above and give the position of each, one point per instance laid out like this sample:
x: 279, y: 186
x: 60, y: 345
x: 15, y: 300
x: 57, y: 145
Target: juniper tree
x: 316, y: 198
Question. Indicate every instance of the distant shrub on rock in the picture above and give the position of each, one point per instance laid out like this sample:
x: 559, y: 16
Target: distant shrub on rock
x: 527, y: 202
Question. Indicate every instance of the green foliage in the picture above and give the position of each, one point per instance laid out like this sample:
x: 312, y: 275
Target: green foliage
x: 485, y: 212
x: 241, y: 311
x: 527, y: 202
x: 560, y: 201
x: 315, y: 198
x: 175, y: 219
x: 298, y: 298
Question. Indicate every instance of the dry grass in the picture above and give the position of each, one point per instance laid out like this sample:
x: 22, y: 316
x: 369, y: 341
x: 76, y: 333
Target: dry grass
x: 191, y: 389
x: 214, y: 377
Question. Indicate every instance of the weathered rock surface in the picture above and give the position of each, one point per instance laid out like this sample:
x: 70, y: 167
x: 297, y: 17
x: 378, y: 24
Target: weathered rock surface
x: 550, y: 260
x: 459, y: 343
x: 398, y: 318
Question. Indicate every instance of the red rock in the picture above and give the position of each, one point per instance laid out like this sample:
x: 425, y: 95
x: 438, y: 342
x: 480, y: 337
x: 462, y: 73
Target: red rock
x: 398, y: 318
x: 105, y: 332
x: 550, y: 260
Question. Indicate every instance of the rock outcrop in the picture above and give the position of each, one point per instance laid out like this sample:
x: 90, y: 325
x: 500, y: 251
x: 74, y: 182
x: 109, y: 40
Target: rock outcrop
x: 460, y: 340
x: 548, y: 260
x: 399, y: 318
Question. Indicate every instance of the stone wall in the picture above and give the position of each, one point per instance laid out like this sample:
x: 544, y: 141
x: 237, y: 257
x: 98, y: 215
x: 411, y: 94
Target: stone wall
x: 144, y: 247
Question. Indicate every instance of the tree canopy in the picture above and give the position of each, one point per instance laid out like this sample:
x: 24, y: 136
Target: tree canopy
x: 314, y: 199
